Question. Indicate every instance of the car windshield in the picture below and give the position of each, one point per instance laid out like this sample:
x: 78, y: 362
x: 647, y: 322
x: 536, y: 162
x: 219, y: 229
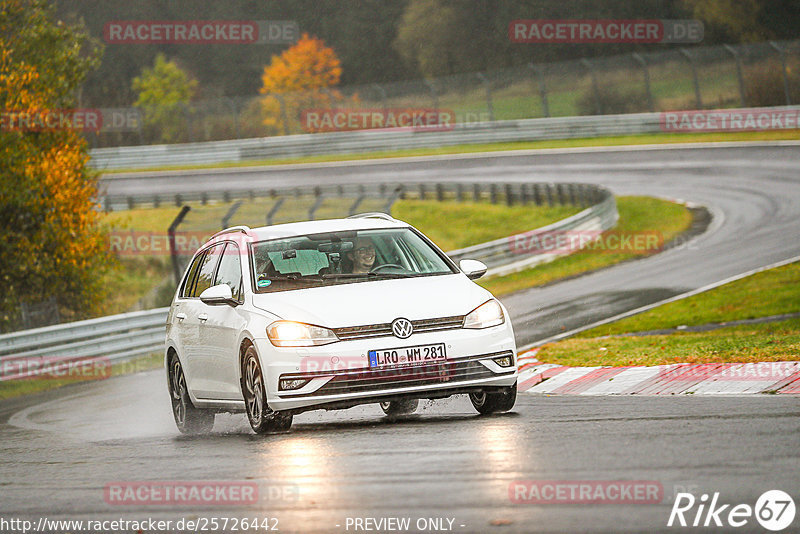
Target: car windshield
x: 344, y: 257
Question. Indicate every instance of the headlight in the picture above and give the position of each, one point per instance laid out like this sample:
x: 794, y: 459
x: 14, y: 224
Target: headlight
x: 292, y: 334
x: 487, y: 314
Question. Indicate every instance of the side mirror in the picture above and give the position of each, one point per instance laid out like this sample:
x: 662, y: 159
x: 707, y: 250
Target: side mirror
x: 474, y: 269
x: 218, y: 295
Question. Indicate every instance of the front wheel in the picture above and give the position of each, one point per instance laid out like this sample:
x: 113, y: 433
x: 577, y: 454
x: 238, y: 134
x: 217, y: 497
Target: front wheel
x: 188, y: 419
x: 487, y: 402
x: 400, y: 407
x: 262, y: 418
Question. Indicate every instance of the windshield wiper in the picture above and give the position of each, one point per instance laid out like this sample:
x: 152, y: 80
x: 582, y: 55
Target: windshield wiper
x: 367, y: 275
x: 295, y: 277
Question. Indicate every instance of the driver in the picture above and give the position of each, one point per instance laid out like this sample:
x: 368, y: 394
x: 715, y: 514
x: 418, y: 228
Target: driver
x: 363, y: 255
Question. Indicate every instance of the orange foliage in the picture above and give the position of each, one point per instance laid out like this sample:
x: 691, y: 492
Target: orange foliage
x: 301, y: 77
x: 50, y: 243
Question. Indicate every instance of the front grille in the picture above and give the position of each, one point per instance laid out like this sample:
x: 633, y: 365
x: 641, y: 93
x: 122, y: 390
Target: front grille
x: 357, y: 381
x: 385, y: 329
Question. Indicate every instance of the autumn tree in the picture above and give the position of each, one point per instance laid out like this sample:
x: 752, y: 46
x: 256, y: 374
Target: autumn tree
x: 50, y: 241
x: 164, y: 92
x: 300, y: 78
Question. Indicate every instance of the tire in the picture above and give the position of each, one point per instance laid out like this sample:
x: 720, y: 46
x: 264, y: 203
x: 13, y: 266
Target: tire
x: 262, y: 419
x: 487, y: 402
x: 400, y: 407
x: 188, y: 419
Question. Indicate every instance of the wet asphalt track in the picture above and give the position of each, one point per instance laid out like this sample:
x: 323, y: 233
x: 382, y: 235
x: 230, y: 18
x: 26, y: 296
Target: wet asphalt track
x: 60, y: 449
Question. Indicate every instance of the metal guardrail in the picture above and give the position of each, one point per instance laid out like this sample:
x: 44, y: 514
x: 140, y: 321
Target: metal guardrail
x: 242, y: 150
x: 120, y: 337
x: 112, y: 339
x: 503, y: 257
x: 287, y: 146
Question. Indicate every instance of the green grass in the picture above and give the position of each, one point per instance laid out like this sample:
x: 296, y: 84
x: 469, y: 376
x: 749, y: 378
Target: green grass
x: 15, y: 388
x: 460, y: 225
x: 133, y: 280
x: 644, y: 139
x: 771, y: 292
x: 637, y: 214
x: 450, y: 224
x: 768, y: 342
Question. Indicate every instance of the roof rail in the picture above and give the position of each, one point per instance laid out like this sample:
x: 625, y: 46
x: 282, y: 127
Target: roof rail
x: 233, y: 229
x: 373, y: 215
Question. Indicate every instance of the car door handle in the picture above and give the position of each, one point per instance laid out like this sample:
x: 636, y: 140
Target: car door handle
x: 180, y: 316
x: 203, y: 317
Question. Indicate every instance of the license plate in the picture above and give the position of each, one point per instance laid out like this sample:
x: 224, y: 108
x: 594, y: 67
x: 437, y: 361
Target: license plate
x: 416, y: 355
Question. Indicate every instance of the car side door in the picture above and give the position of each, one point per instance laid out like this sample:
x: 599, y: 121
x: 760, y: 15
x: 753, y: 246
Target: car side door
x: 196, y: 352
x: 219, y: 334
x: 179, y: 331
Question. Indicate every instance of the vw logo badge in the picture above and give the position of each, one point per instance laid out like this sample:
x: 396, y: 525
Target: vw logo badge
x: 402, y: 328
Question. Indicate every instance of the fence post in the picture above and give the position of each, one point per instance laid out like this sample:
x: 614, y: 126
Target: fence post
x: 646, y: 72
x: 434, y: 96
x: 176, y: 268
x: 284, y: 115
x: 539, y: 75
x: 382, y: 91
x: 227, y: 218
x: 232, y: 103
x: 782, y: 54
x: 488, y: 88
x: 697, y: 97
x: 317, y: 203
x: 397, y: 193
x: 599, y: 105
x: 274, y: 210
x: 738, y: 61
x: 361, y: 196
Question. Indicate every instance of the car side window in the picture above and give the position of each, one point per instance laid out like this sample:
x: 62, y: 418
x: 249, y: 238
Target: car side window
x: 186, y: 290
x: 205, y: 274
x: 230, y: 270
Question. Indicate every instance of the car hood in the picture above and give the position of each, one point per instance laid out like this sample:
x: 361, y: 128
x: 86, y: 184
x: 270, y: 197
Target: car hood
x: 376, y: 301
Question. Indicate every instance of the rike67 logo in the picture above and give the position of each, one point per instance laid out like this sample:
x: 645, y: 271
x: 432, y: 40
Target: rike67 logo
x: 774, y: 510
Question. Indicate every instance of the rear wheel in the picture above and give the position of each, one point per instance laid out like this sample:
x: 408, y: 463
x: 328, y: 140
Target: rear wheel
x: 262, y: 419
x: 188, y: 419
x: 487, y: 402
x: 400, y: 407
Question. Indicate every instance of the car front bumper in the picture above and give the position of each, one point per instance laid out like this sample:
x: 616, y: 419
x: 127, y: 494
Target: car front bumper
x: 339, y: 374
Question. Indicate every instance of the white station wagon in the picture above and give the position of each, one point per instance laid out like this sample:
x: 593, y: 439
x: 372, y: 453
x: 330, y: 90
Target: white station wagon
x: 330, y: 314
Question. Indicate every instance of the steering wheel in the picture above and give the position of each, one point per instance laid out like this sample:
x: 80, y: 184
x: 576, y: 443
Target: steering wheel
x: 385, y: 266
